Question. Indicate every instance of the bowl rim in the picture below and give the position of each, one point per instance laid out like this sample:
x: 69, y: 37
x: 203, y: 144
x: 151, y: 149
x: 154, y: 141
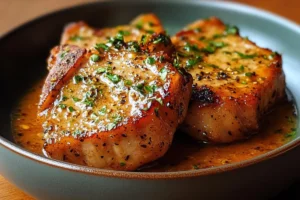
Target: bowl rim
x: 158, y: 175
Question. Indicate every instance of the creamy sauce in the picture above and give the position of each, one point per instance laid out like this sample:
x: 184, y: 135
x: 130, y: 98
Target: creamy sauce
x: 278, y: 128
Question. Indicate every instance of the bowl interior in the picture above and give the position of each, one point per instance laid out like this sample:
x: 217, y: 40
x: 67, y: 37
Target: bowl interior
x: 24, y: 51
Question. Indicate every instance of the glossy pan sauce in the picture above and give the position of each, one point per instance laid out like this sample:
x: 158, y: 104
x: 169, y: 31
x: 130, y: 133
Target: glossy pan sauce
x: 185, y: 154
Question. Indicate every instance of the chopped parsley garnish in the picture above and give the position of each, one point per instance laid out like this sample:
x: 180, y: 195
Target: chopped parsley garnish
x: 88, y: 102
x: 218, y: 44
x: 77, y: 79
x: 101, y: 70
x: 163, y: 73
x: 190, y: 48
x: 117, y: 118
x: 64, y: 98
x: 161, y: 58
x: 71, y: 109
x: 250, y: 74
x: 209, y: 49
x: 246, y: 56
x: 101, y: 46
x: 139, y: 25
x: 122, y: 164
x: 150, y: 31
x: 231, y: 30
x: 62, y: 106
x: 95, y: 58
x: 291, y: 134
x: 144, y: 39
x: 128, y: 82
x: 63, y: 54
x: 124, y: 33
x: 102, y: 111
x: 162, y: 39
x: 139, y: 87
x: 150, y: 60
x: 77, y: 132
x: 212, y: 65
x: 159, y: 100
x: 119, y: 37
x: 75, y: 99
x: 242, y: 68
x: 134, y: 46
x: 192, y: 62
x: 111, y: 126
x: 151, y: 24
x: 76, y: 38
x: 150, y: 88
x: 113, y: 77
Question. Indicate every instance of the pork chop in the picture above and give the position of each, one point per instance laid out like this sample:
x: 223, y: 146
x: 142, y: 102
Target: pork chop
x: 112, y: 98
x: 235, y: 82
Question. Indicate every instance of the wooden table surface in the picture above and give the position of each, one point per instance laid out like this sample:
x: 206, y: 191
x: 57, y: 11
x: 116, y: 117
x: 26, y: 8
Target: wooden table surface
x: 15, y: 12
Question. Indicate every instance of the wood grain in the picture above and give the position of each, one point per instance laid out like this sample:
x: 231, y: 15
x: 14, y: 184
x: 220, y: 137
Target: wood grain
x: 16, y: 12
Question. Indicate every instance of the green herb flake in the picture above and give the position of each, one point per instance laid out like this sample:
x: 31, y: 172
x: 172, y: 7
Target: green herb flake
x: 162, y: 39
x: 102, y: 111
x: 134, y: 46
x: 111, y: 126
x: 64, y: 98
x: 100, y: 70
x: 231, y: 30
x: 71, y: 109
x: 76, y: 38
x: 95, y: 58
x: 124, y: 33
x: 246, y: 56
x: 159, y: 100
x: 291, y: 134
x: 139, y: 25
x: 150, y: 31
x: 250, y: 74
x: 122, y: 164
x: 76, y: 133
x: 242, y: 68
x: 190, y: 48
x: 62, y: 106
x: 163, y: 73
x: 209, y: 49
x: 218, y: 44
x: 213, y: 66
x: 77, y: 79
x: 150, y: 88
x: 113, y: 77
x: 128, y: 82
x: 75, y: 99
x: 192, y: 62
x: 150, y: 60
x: 101, y: 46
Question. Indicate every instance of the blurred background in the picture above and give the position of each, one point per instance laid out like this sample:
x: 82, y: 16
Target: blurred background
x: 16, y: 12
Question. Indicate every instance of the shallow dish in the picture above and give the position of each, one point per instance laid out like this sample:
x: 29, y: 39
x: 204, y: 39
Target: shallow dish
x: 23, y: 54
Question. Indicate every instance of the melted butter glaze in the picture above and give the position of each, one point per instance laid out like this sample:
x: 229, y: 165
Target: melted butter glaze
x: 184, y: 154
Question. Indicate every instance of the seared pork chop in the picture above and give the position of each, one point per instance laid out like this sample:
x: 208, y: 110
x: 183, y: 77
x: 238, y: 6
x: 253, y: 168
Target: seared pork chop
x: 235, y: 82
x: 112, y: 98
